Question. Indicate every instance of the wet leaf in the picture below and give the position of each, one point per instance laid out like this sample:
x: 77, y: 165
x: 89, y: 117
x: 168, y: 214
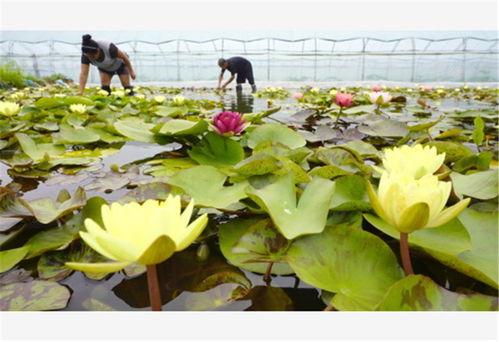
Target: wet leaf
x: 47, y: 210
x: 350, y: 194
x: 9, y: 258
x: 217, y: 150
x: 183, y: 127
x: 252, y: 243
x: 51, y: 266
x: 206, y: 185
x: 482, y: 185
x: 267, y: 298
x: 294, y: 217
x: 355, y: 265
x: 420, y: 293
x: 275, y: 133
x: 36, y: 295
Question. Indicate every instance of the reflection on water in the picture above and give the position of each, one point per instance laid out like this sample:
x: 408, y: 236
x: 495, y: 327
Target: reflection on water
x: 240, y: 102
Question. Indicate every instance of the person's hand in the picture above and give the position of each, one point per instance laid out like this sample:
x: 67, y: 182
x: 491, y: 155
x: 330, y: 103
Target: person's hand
x: 132, y: 74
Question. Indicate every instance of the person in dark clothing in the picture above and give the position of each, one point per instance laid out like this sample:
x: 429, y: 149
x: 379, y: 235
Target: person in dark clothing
x: 109, y: 60
x: 240, y: 66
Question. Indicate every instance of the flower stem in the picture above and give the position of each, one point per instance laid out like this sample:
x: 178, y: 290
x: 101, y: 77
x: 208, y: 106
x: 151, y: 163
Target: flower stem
x: 405, y: 254
x: 338, y: 117
x: 153, y: 285
x: 266, y: 277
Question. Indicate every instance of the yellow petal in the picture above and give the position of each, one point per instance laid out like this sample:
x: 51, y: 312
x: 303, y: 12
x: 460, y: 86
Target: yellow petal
x: 98, y: 267
x: 414, y: 217
x: 90, y: 240
x: 121, y: 249
x: 378, y: 209
x: 192, y: 232
x: 160, y: 250
x: 449, y: 213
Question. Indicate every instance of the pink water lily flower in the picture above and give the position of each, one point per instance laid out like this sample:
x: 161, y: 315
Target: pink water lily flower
x: 376, y: 88
x: 226, y: 122
x: 297, y: 95
x: 344, y: 99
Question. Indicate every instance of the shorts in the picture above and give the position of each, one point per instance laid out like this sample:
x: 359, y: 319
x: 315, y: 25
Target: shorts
x: 122, y: 70
x: 246, y: 75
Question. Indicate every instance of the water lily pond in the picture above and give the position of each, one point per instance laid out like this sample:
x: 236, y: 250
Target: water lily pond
x: 290, y: 181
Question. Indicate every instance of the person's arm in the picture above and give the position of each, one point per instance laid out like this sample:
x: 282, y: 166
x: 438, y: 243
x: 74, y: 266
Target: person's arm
x: 228, y: 81
x: 220, y: 78
x: 125, y: 59
x: 83, y: 77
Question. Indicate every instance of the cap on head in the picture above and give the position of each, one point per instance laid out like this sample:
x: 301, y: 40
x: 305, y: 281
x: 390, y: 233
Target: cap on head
x: 221, y: 62
x: 88, y: 45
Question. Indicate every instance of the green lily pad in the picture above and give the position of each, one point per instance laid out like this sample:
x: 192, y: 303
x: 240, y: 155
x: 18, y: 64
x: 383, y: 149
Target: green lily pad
x: 168, y: 167
x: 183, y: 127
x: 482, y: 185
x: 47, y: 210
x: 449, y: 243
x: 135, y: 129
x: 253, y: 243
x: 36, y: 151
x: 268, y: 298
x: 384, y: 128
x: 111, y: 181
x: 294, y: 218
x: 257, y: 164
x: 453, y: 150
x: 70, y: 135
x: 420, y: 293
x: 9, y: 258
x: 36, y: 295
x: 350, y: 194
x: 355, y: 265
x: 275, y: 133
x: 51, y: 266
x: 156, y: 190
x: 217, y: 150
x: 171, y: 111
x: 206, y: 185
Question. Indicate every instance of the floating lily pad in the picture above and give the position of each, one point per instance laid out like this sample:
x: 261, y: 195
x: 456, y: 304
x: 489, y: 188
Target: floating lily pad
x: 253, y: 243
x: 47, y: 210
x: 9, y: 258
x: 183, y: 127
x: 35, y: 151
x: 294, y: 217
x: 275, y: 133
x: 206, y: 185
x: 482, y: 185
x: 268, y: 298
x: 350, y: 194
x: 156, y: 190
x: 70, y: 135
x: 420, y: 293
x: 36, y: 295
x: 453, y: 151
x: 135, y: 129
x: 355, y: 265
x: 217, y: 150
x: 384, y: 128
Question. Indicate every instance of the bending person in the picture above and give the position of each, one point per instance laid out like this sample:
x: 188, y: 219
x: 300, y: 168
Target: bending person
x: 240, y: 66
x: 109, y: 60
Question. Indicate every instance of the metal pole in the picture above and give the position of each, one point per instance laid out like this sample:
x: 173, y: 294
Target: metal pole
x: 363, y: 60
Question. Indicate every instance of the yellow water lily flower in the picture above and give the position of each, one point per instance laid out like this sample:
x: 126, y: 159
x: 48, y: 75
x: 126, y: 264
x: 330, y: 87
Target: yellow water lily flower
x: 159, y: 99
x: 9, y: 108
x: 148, y: 234
x: 178, y: 100
x: 119, y: 93
x: 78, y: 108
x: 410, y: 204
x: 103, y: 92
x: 416, y: 161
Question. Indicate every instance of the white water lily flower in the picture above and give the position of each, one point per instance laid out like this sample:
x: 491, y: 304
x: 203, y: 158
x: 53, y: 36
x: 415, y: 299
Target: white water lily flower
x: 379, y: 98
x: 410, y: 204
x: 103, y: 92
x: 78, y: 108
x: 9, y: 108
x: 118, y: 93
x: 148, y: 234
